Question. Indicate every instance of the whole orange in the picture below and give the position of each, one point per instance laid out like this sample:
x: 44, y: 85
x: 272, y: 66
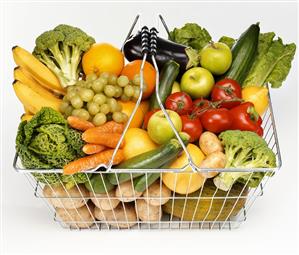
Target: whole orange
x: 103, y: 57
x: 149, y: 75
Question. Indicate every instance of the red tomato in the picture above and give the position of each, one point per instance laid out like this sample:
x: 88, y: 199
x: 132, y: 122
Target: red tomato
x: 200, y: 105
x: 192, y: 127
x: 147, y: 117
x: 227, y: 89
x: 179, y: 102
x: 216, y: 120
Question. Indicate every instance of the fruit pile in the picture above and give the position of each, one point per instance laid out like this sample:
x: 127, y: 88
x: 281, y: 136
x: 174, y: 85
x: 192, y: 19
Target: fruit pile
x: 78, y: 96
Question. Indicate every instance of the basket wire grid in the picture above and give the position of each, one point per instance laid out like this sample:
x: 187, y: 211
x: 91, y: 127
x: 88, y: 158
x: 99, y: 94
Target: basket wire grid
x: 207, y: 208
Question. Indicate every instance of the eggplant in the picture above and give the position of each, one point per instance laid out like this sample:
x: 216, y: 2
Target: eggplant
x: 167, y: 50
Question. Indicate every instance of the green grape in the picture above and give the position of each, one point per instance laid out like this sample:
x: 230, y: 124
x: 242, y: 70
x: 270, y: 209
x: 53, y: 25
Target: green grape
x: 124, y: 98
x: 136, y: 80
x: 118, y: 91
x: 125, y: 117
x: 112, y: 79
x: 97, y: 86
x: 63, y: 106
x: 136, y: 92
x: 91, y: 77
x: 105, y: 75
x: 76, y: 102
x: 117, y: 117
x: 83, y: 114
x: 68, y: 111
x: 88, y: 84
x: 99, y: 99
x: 70, y: 88
x: 99, y: 119
x: 129, y: 90
x: 103, y: 80
x: 65, y: 99
x: 112, y: 104
x: 119, y: 107
x: 93, y: 108
x: 86, y: 95
x: 71, y: 94
x: 80, y: 83
x: 144, y: 87
x: 122, y: 81
x: 109, y: 90
x: 105, y: 108
x: 75, y: 112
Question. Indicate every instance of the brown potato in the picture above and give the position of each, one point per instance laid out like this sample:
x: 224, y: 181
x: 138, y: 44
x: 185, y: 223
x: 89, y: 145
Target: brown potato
x: 148, y: 212
x: 209, y: 143
x: 126, y: 193
x: 102, y: 201
x: 76, y: 218
x: 60, y: 197
x: 213, y: 160
x: 122, y: 219
x: 156, y: 195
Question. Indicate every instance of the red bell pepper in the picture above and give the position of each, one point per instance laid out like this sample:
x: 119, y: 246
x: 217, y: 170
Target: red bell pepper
x: 245, y: 117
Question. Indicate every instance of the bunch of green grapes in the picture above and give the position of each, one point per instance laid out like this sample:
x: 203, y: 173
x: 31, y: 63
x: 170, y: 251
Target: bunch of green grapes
x: 95, y: 98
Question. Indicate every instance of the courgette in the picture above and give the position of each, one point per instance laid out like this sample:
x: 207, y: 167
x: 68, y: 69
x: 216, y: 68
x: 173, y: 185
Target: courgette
x: 244, y: 52
x: 168, y: 75
x: 149, y: 160
x: 99, y: 183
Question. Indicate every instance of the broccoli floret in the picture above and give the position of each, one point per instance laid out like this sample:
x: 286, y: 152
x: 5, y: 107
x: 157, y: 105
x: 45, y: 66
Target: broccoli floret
x: 61, y: 49
x: 244, y: 149
x: 71, y: 180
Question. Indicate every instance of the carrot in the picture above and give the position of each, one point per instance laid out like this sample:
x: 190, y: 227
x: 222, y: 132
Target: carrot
x: 91, y: 148
x: 79, y: 124
x: 92, y: 161
x: 110, y: 127
x: 95, y: 136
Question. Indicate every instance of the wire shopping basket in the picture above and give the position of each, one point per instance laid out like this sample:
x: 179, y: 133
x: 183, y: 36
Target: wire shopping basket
x: 117, y: 205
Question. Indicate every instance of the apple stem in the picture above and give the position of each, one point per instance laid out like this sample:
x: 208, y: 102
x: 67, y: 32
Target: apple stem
x: 213, y: 45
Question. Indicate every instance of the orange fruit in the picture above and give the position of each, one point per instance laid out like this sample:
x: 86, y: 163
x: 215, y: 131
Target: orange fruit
x: 149, y: 74
x: 103, y: 57
x: 128, y: 107
x: 137, y: 141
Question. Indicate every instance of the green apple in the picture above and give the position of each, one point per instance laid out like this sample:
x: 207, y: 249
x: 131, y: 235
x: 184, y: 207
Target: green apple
x: 175, y: 87
x: 216, y: 57
x: 158, y: 128
x: 197, y: 82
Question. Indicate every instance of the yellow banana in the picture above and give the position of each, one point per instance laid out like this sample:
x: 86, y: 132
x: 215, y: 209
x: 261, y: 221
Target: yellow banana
x: 26, y: 116
x: 37, y: 69
x: 20, y: 74
x: 27, y: 111
x: 32, y: 99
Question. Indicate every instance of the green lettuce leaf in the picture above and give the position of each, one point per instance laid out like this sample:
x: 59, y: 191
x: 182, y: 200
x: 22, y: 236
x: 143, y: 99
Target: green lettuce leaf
x: 191, y: 35
x: 228, y: 41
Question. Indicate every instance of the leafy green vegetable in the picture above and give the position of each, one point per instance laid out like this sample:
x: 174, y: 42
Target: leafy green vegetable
x: 273, y: 62
x: 46, y: 142
x: 228, y: 41
x: 191, y: 35
x: 61, y: 49
x: 71, y: 180
x: 244, y: 149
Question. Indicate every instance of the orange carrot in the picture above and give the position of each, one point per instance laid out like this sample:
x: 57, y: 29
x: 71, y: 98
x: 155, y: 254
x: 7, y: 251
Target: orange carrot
x: 111, y: 127
x: 78, y: 123
x: 95, y: 136
x: 92, y: 161
x: 91, y: 148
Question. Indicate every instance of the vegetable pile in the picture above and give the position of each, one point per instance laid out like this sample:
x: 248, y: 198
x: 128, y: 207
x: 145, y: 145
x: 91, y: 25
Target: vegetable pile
x: 78, y: 96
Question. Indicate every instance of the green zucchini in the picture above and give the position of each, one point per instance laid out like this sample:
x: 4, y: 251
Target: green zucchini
x: 168, y: 75
x: 149, y: 160
x: 244, y: 52
x: 99, y: 183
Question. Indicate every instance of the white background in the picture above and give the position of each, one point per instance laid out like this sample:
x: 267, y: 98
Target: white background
x: 271, y: 226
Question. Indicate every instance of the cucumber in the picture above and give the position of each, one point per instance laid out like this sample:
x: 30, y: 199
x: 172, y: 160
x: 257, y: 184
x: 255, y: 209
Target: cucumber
x: 143, y: 182
x: 149, y: 160
x: 168, y: 75
x: 244, y: 52
x: 98, y: 183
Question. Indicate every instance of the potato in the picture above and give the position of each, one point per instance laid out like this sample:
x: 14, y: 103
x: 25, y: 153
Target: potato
x: 120, y: 219
x: 102, y: 201
x: 209, y: 143
x: 156, y: 195
x: 125, y: 192
x: 213, y: 160
x: 60, y: 197
x: 76, y: 218
x: 148, y: 212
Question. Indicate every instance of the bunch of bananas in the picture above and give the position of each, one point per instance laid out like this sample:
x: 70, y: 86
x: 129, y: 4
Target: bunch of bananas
x: 35, y: 85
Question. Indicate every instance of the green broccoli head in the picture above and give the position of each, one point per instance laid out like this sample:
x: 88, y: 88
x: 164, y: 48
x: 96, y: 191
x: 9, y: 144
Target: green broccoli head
x: 61, y: 49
